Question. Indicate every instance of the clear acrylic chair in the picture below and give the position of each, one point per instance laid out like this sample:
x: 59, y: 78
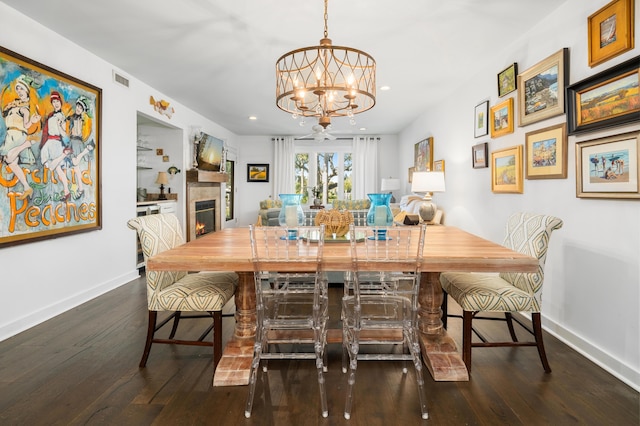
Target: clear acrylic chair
x: 381, y: 307
x: 291, y: 300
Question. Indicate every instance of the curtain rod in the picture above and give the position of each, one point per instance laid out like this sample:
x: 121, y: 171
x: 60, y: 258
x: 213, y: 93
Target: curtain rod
x: 336, y: 139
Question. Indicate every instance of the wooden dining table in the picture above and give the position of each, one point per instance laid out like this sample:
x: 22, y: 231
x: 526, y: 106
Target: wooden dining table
x: 446, y: 249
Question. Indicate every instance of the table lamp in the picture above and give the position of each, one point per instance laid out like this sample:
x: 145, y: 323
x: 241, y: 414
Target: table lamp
x: 163, y: 179
x: 390, y: 185
x: 427, y: 182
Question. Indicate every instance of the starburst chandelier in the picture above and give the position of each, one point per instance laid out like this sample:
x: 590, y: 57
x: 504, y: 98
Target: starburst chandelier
x: 325, y: 81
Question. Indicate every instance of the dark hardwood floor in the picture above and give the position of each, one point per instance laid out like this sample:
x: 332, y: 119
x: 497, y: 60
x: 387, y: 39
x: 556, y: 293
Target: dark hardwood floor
x: 82, y: 368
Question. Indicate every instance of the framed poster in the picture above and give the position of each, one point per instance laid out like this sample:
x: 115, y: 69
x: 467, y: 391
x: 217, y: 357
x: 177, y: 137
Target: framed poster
x: 609, y: 98
x: 480, y: 156
x: 608, y: 167
x: 481, y: 114
x: 546, y: 153
x: 257, y: 173
x: 506, y: 170
x: 541, y: 88
x: 423, y: 155
x: 502, y: 118
x: 438, y: 166
x: 610, y: 31
x: 507, y: 80
x: 209, y: 153
x: 50, y: 145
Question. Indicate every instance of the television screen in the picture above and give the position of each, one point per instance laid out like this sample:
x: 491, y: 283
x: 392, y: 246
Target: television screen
x: 209, y: 155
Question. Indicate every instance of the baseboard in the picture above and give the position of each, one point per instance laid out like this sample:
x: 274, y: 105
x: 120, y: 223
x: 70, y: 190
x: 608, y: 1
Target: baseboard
x: 604, y: 360
x: 46, y: 313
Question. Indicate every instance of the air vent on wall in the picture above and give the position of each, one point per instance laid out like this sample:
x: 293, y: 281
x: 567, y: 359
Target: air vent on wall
x: 120, y: 79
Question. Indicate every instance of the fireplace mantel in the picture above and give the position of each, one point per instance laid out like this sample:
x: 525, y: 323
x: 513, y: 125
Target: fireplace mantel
x: 195, y: 175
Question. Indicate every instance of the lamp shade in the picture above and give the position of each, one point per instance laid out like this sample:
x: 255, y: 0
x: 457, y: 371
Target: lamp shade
x: 162, y: 179
x: 389, y: 184
x: 428, y: 182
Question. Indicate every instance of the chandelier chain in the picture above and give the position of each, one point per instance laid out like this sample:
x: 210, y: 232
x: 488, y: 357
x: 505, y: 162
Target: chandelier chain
x: 326, y: 19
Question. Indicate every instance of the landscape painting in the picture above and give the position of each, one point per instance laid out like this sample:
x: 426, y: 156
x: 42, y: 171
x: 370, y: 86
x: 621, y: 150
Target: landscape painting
x: 613, y: 98
x: 210, y: 151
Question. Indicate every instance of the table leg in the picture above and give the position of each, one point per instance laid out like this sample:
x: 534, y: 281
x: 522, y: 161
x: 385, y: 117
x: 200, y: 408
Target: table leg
x: 233, y: 368
x: 439, y: 351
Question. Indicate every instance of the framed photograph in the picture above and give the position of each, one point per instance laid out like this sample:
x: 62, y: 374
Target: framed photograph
x: 411, y: 170
x: 609, y: 98
x: 507, y: 80
x: 546, y: 153
x: 438, y: 166
x: 506, y: 170
x: 423, y: 155
x: 257, y: 173
x: 480, y: 155
x: 608, y: 167
x: 50, y: 139
x: 480, y: 122
x: 502, y: 118
x: 541, y: 88
x: 209, y: 153
x: 610, y: 31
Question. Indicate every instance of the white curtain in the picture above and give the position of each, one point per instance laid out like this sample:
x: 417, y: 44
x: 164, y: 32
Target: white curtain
x: 365, y: 166
x: 284, y: 181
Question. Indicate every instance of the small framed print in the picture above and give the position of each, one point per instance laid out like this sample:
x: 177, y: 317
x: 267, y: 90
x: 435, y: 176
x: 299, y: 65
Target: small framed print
x: 507, y: 80
x: 546, y: 153
x: 506, y: 170
x: 438, y: 166
x: 411, y: 170
x: 610, y: 31
x: 502, y: 118
x: 257, y: 173
x: 608, y: 167
x: 480, y: 156
x: 480, y: 123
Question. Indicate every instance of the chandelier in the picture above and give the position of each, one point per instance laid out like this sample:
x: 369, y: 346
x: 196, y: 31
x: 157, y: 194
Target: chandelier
x: 325, y: 81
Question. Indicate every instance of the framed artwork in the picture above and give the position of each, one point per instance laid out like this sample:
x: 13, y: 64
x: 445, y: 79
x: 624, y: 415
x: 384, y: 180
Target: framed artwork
x: 481, y: 114
x: 257, y: 173
x: 209, y: 153
x: 507, y: 80
x: 609, y: 98
x: 541, y: 88
x: 411, y: 170
x: 502, y: 118
x: 608, y: 167
x: 438, y: 166
x: 423, y: 155
x: 546, y: 153
x: 506, y: 170
x: 610, y: 31
x: 50, y: 138
x: 480, y: 155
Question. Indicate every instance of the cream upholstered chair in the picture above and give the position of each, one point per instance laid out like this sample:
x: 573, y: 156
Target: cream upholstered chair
x: 507, y: 292
x: 174, y: 291
x: 291, y: 306
x: 381, y: 307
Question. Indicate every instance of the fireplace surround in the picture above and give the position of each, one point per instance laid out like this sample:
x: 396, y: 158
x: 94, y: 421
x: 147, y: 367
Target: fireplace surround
x: 204, y: 191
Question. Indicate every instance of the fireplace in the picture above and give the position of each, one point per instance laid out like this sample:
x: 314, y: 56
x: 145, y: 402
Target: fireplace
x: 204, y: 203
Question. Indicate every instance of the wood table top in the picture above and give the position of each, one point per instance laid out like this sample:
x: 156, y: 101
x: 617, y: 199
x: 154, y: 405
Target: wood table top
x: 446, y: 249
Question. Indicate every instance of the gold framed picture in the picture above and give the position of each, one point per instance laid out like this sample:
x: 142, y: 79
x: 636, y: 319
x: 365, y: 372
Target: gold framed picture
x: 502, y: 118
x: 541, y: 88
x: 608, y: 167
x: 610, y: 31
x: 546, y: 153
x: 438, y: 166
x: 506, y: 170
x: 411, y: 170
x: 423, y: 155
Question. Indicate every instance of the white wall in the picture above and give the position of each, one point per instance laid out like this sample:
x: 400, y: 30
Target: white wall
x: 42, y: 279
x: 591, y: 298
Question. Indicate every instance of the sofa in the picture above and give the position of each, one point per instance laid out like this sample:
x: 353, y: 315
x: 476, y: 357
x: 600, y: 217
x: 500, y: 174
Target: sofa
x: 269, y: 211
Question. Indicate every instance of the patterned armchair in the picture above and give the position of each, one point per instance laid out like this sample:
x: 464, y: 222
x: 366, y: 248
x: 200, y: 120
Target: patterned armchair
x: 507, y: 292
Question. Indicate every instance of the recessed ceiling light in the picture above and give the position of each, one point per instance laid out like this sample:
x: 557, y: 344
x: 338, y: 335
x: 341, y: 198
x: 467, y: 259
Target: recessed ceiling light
x: 363, y: 129
x: 384, y: 88
x: 253, y: 117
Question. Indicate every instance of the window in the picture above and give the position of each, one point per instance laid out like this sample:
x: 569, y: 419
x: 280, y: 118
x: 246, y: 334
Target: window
x: 229, y: 189
x: 325, y: 167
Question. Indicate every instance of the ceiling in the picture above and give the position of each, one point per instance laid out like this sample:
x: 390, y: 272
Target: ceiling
x: 218, y: 57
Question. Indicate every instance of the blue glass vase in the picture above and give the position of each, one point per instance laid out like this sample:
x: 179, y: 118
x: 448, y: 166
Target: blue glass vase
x: 291, y: 213
x: 379, y: 213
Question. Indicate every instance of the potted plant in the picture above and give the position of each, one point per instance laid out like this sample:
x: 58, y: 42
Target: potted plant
x: 317, y: 195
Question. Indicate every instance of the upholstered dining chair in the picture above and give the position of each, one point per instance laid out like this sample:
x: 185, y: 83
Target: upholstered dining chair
x: 291, y: 300
x: 507, y: 292
x: 176, y: 292
x: 380, y: 309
